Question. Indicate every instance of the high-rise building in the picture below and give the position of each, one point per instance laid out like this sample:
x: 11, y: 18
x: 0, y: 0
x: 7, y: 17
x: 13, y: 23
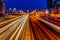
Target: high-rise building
x: 58, y: 5
x: 58, y: 2
x: 51, y: 3
x: 2, y: 7
x: 55, y: 4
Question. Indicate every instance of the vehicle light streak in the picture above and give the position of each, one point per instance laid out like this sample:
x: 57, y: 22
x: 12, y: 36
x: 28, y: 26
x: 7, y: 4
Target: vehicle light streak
x: 48, y: 32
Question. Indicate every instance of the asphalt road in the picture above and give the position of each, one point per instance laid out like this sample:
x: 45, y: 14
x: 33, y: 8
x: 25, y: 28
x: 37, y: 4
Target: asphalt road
x: 29, y: 27
x: 42, y: 30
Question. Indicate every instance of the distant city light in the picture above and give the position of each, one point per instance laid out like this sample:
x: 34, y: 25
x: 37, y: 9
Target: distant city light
x: 47, y: 11
x: 10, y: 9
x: 27, y: 10
x: 20, y: 10
x: 14, y: 8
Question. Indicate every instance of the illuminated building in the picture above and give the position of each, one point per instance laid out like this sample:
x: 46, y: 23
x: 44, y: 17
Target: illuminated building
x: 58, y: 5
x: 10, y: 10
x: 14, y: 9
x: 51, y: 3
x: 2, y: 7
x: 55, y: 4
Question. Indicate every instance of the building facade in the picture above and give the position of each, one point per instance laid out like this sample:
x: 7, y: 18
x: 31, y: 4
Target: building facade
x: 51, y: 3
x: 2, y: 8
x: 58, y: 5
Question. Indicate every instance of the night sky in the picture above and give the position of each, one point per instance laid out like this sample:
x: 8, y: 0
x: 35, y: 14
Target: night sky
x: 25, y: 4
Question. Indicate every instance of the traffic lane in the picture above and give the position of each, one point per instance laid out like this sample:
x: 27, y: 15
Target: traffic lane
x: 55, y: 19
x: 54, y: 33
x: 52, y: 21
x: 8, y: 26
x: 27, y: 34
x: 48, y: 31
x: 8, y: 21
x: 19, y: 35
x: 13, y: 36
x: 31, y: 30
x: 7, y: 33
x: 51, y: 35
x: 39, y: 35
x: 53, y: 26
x: 52, y: 30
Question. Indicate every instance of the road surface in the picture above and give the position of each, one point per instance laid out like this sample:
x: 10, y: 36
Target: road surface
x: 29, y: 27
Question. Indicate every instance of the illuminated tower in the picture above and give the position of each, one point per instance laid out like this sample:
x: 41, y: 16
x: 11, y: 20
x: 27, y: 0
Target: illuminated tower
x: 2, y: 8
